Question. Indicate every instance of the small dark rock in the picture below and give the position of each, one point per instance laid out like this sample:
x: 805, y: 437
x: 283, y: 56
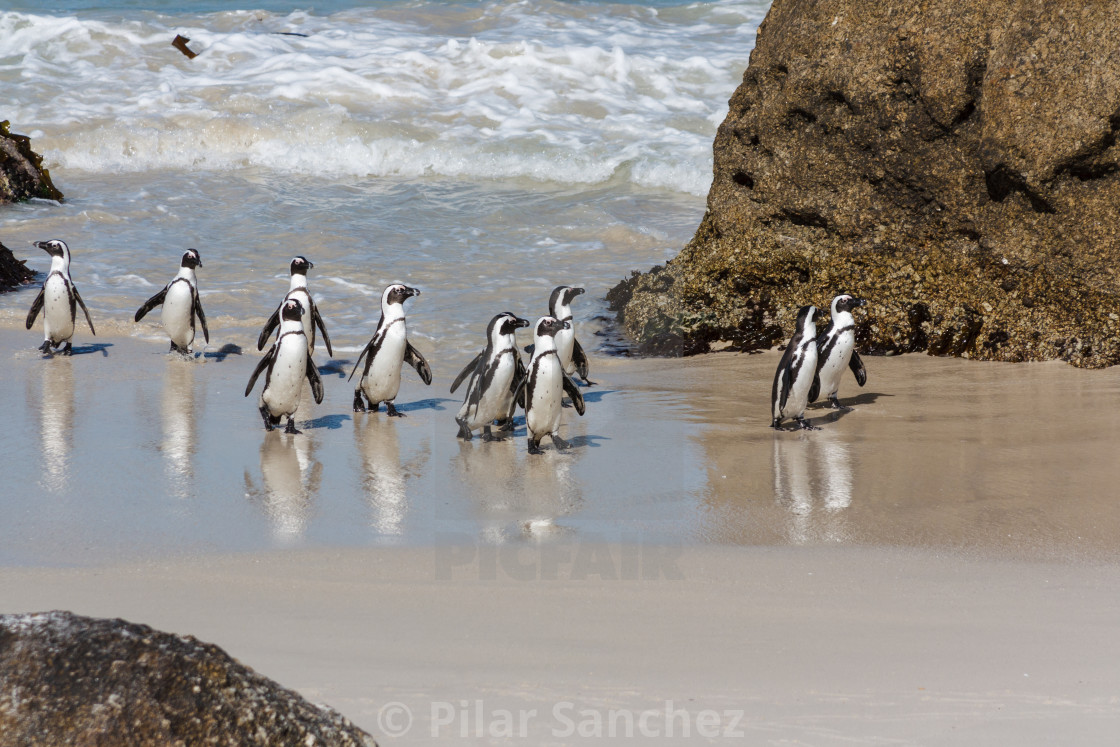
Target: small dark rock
x: 68, y: 679
x: 13, y: 272
x: 22, y: 175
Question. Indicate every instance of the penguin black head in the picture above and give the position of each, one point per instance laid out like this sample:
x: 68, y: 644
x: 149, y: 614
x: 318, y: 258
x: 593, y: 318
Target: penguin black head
x: 562, y: 295
x: 191, y: 259
x: 845, y: 302
x: 806, y: 315
x: 548, y: 326
x: 300, y: 265
x: 293, y: 310
x: 506, y: 323
x: 398, y: 293
x: 54, y: 247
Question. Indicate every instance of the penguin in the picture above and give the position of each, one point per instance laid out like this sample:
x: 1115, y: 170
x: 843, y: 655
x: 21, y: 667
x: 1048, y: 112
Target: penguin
x: 384, y: 354
x: 297, y: 289
x: 287, y: 363
x: 568, y: 348
x: 57, y: 299
x: 494, y: 375
x: 836, y: 350
x: 542, y: 389
x: 181, y: 305
x: 796, y: 377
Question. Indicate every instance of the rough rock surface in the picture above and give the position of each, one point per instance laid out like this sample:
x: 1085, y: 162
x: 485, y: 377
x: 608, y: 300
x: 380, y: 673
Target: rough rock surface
x: 13, y: 272
x: 22, y: 175
x: 67, y: 679
x: 955, y: 162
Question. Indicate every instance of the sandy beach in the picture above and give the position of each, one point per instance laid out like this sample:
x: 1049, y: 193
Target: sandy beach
x: 937, y: 566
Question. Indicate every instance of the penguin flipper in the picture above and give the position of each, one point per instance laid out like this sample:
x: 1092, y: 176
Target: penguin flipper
x: 785, y: 387
x: 815, y: 389
x: 78, y: 298
x: 413, y: 358
x: 520, y: 374
x: 317, y: 321
x: 36, y: 307
x: 150, y: 304
x: 519, y: 395
x: 197, y: 307
x: 467, y: 371
x: 363, y: 354
x: 265, y: 362
x: 580, y: 359
x: 572, y: 391
x: 315, y: 380
x: 272, y: 323
x: 856, y: 364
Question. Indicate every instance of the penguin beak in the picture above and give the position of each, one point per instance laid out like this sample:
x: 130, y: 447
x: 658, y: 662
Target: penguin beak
x: 579, y: 291
x: 310, y: 265
x: 412, y: 291
x: 566, y: 325
x: 43, y: 245
x: 521, y: 322
x: 861, y: 301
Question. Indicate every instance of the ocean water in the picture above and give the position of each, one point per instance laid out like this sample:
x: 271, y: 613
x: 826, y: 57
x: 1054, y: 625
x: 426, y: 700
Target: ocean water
x: 483, y: 152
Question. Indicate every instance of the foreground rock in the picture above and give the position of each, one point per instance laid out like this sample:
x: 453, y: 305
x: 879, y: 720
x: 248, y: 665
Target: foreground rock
x: 67, y: 679
x: 22, y: 175
x: 953, y: 161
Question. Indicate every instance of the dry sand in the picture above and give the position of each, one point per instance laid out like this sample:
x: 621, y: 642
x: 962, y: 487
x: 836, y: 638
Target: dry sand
x: 938, y: 566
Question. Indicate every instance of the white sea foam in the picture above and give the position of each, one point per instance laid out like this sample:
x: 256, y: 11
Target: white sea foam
x: 553, y: 92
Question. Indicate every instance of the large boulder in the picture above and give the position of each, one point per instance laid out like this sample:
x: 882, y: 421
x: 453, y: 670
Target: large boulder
x: 955, y: 162
x: 67, y: 679
x: 22, y: 175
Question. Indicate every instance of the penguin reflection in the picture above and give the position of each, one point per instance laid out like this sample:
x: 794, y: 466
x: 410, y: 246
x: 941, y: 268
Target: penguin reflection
x: 56, y: 421
x: 385, y: 478
x: 290, y: 481
x: 177, y: 410
x: 490, y: 473
x: 813, y: 481
x: 549, y: 493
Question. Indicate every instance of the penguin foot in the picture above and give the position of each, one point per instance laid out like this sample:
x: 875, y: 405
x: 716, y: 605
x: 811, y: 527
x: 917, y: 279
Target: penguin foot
x: 589, y: 382
x: 804, y: 425
x: 464, y: 431
x: 776, y: 424
x: 392, y: 410
x: 505, y: 424
x: 560, y: 443
x: 487, y: 436
x: 67, y: 349
x: 534, y: 447
x: 185, y: 352
x: 292, y: 426
x: 45, y: 347
x: 359, y: 405
x: 834, y: 403
x: 266, y: 417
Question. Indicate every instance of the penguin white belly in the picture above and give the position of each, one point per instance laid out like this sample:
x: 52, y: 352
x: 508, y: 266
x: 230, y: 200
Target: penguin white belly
x: 178, y: 306
x: 304, y: 299
x: 383, y: 381
x: 58, y: 320
x: 285, y: 383
x: 543, y: 415
x: 495, y: 400
x: 565, y: 347
x: 838, y: 359
x: 798, y: 397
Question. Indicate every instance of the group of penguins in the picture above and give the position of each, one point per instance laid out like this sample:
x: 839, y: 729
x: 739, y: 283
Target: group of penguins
x: 497, y: 379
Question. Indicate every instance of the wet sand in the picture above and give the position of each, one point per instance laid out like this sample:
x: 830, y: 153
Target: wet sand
x: 938, y: 566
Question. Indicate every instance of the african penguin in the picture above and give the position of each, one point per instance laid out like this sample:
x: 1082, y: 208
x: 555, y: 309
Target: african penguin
x: 287, y: 363
x: 181, y: 305
x: 58, y: 300
x: 297, y: 289
x: 494, y: 375
x: 836, y: 350
x: 797, y: 373
x: 384, y: 354
x: 543, y: 388
x: 568, y: 348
